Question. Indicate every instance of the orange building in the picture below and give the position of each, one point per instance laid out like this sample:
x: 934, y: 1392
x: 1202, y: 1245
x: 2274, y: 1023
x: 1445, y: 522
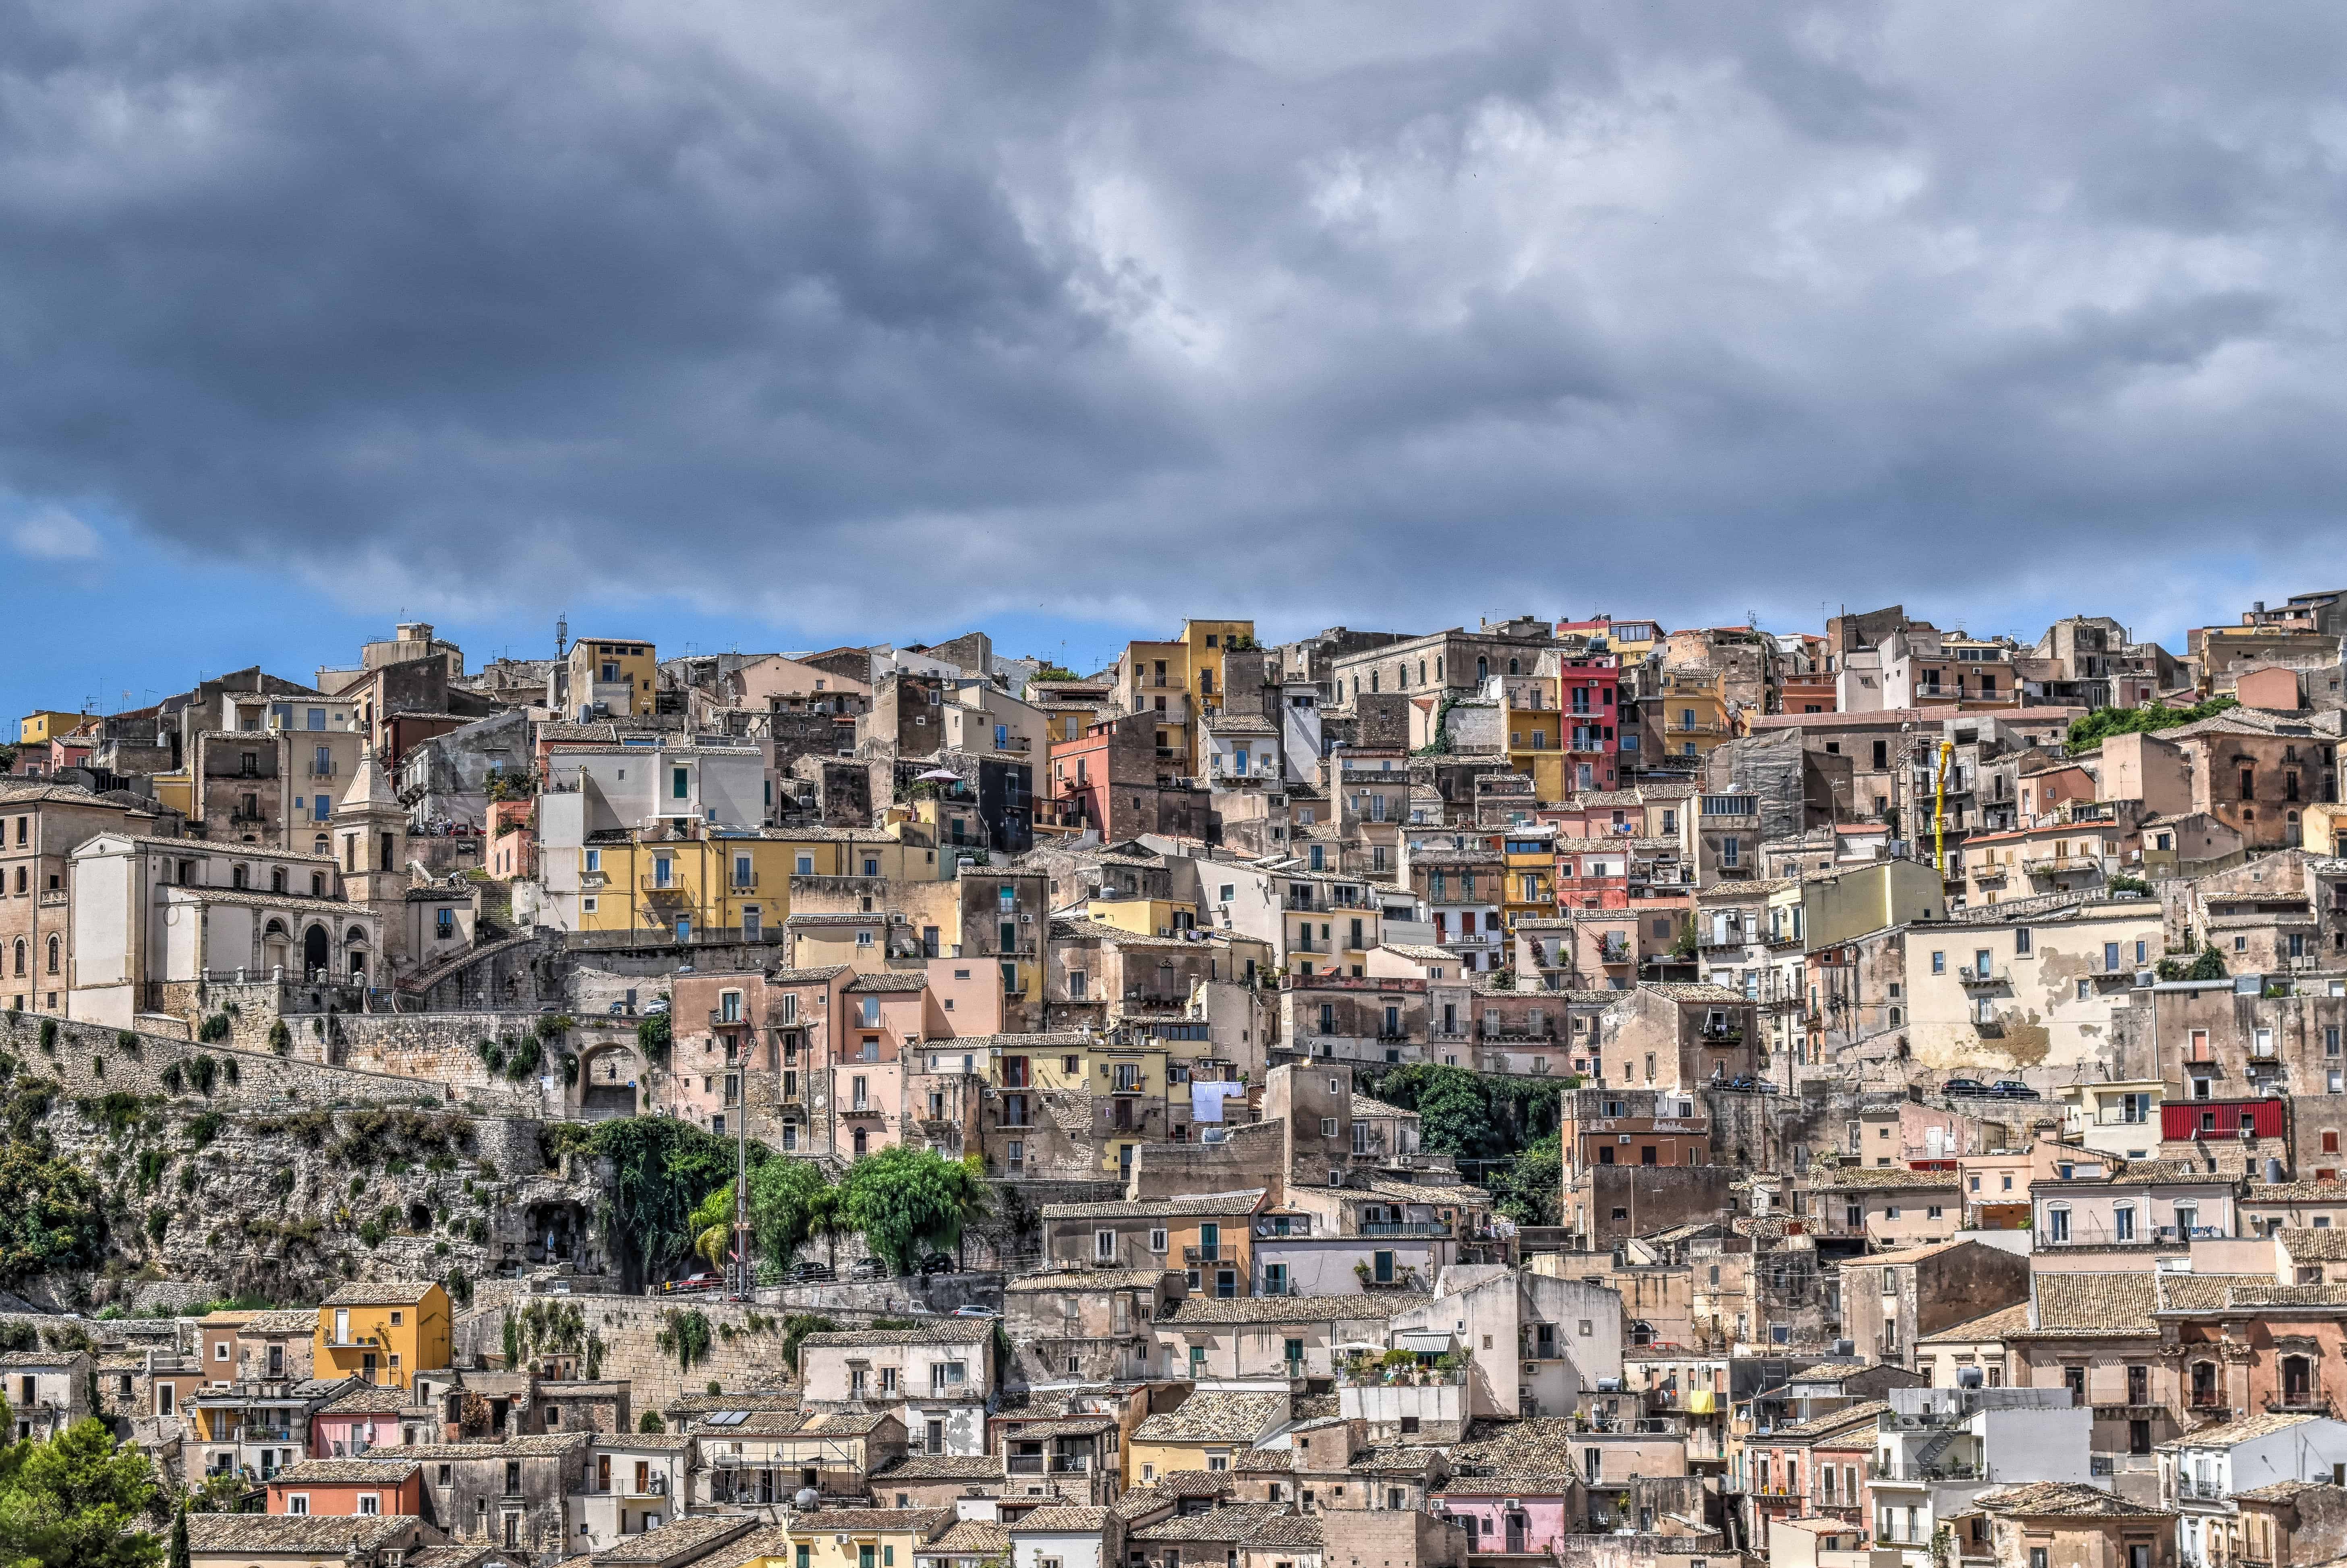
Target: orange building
x: 345, y: 1488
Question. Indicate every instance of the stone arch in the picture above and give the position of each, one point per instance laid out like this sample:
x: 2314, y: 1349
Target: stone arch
x: 608, y: 1075
x: 315, y: 952
x: 276, y: 945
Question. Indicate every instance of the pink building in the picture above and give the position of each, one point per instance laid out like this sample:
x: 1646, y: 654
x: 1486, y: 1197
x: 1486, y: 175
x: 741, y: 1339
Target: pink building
x: 361, y: 1419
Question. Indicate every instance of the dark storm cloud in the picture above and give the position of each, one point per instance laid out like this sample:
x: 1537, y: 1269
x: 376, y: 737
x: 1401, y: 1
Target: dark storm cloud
x: 1327, y: 311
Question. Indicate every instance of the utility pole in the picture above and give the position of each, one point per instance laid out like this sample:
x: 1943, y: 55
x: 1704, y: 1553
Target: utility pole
x: 741, y: 1177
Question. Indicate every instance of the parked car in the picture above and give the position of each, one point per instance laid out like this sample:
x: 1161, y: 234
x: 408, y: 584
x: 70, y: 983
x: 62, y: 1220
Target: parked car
x: 691, y: 1284
x: 868, y: 1268
x: 1959, y: 1088
x: 810, y: 1272
x: 616, y: 1009
x: 976, y: 1312
x: 936, y: 1263
x: 657, y: 1005
x: 2012, y: 1089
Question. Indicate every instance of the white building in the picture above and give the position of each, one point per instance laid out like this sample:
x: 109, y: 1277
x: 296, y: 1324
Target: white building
x: 635, y: 1483
x: 2200, y: 1474
x: 936, y: 1379
x: 1937, y: 1449
x: 149, y: 914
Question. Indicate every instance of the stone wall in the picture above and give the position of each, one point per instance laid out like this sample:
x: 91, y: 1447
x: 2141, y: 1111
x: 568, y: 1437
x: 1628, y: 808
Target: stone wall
x: 746, y: 1344
x: 440, y: 1048
x: 88, y: 1060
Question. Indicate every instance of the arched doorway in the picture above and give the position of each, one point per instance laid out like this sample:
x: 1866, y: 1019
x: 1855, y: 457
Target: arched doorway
x: 315, y: 943
x: 608, y: 1083
x: 862, y: 1141
x: 354, y: 944
x: 276, y: 946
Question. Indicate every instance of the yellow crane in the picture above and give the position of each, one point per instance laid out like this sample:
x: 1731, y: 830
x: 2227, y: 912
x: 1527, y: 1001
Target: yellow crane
x: 1940, y: 811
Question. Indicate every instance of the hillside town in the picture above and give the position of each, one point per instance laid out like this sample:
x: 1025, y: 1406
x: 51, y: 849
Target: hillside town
x: 1588, y: 1091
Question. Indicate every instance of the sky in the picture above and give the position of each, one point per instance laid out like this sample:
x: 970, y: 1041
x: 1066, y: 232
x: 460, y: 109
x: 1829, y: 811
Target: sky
x: 725, y: 324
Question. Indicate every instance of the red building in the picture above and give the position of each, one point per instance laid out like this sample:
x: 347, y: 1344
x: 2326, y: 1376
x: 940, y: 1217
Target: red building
x: 1589, y: 691
x: 2206, y: 1120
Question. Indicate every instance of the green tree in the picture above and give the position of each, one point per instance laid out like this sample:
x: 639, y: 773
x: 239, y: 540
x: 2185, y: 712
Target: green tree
x: 908, y: 1201
x: 662, y: 1167
x: 2208, y: 966
x: 1530, y: 1190
x: 179, y: 1554
x: 79, y: 1501
x: 650, y: 1422
x: 2090, y: 730
x: 1455, y: 1115
x: 49, y: 1212
x: 653, y: 1038
x: 789, y: 1199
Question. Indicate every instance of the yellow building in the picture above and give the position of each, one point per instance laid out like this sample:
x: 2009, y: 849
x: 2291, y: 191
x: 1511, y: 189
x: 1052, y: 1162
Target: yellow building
x: 1689, y: 716
x: 609, y: 678
x: 1181, y: 681
x: 857, y: 1537
x: 39, y: 728
x: 1143, y: 917
x: 728, y: 879
x: 1528, y: 887
x: 2321, y: 834
x: 1532, y: 717
x: 385, y: 1332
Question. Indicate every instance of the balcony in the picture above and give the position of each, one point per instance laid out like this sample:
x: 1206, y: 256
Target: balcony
x: 720, y: 1019
x: 862, y: 1109
x: 328, y: 772
x: 1197, y: 1255
x: 2061, y: 865
x: 659, y: 886
x: 2300, y: 1402
x: 1982, y: 975
x: 1960, y: 1469
x: 1048, y: 1464
x: 745, y: 882
x: 1393, y: 1228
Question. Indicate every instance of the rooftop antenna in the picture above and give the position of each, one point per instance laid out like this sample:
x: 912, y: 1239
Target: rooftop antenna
x: 561, y: 634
